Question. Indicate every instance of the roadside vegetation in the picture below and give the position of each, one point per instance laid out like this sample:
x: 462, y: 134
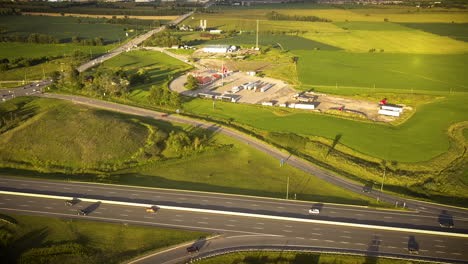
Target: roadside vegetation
x: 265, y: 257
x: 36, y: 239
x: 115, y: 148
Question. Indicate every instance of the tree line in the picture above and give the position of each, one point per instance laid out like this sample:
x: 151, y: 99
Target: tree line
x: 31, y: 38
x: 6, y: 64
x: 273, y: 15
x: 163, y: 39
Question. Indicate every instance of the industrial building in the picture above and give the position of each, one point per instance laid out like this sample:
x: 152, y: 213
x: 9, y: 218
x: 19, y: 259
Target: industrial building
x: 220, y: 48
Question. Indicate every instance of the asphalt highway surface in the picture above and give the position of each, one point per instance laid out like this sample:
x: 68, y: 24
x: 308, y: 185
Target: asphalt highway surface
x: 249, y: 232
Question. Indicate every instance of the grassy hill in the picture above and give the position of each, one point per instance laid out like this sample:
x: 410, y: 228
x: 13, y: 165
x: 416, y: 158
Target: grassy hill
x: 35, y: 239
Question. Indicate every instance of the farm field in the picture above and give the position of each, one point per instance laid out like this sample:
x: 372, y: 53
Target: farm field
x: 138, y: 151
x: 64, y: 28
x: 36, y: 239
x: 458, y: 31
x: 286, y: 42
x: 12, y: 50
x: 405, y: 72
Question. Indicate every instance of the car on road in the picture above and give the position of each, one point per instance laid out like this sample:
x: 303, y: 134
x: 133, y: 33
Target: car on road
x: 152, y: 210
x: 446, y: 225
x: 82, y: 212
x: 413, y: 250
x: 164, y: 115
x: 314, y: 211
x: 69, y: 203
x: 192, y: 249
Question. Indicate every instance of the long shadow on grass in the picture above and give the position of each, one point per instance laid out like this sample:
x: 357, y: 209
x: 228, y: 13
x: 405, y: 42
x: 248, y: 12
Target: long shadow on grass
x: 22, y: 244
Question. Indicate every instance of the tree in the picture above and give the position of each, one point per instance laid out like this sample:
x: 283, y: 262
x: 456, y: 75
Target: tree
x: 192, y: 83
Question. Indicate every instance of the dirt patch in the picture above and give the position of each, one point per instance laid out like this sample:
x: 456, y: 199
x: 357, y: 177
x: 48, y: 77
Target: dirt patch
x: 100, y: 16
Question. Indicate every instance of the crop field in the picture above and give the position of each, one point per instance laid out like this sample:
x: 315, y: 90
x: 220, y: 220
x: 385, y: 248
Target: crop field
x: 286, y: 42
x: 11, y: 50
x: 158, y: 65
x: 407, y: 72
x: 455, y: 31
x: 364, y: 36
x: 37, y: 239
x: 64, y: 28
x: 29, y: 145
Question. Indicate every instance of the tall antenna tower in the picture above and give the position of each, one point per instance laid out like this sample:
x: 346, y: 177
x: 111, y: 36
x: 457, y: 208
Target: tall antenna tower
x: 256, y: 42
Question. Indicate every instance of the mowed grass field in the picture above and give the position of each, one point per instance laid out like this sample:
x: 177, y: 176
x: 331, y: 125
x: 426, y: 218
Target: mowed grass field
x: 356, y: 30
x: 64, y: 28
x: 103, y: 141
x: 421, y: 138
x: 405, y: 72
x: 159, y: 66
x: 458, y: 31
x: 36, y: 239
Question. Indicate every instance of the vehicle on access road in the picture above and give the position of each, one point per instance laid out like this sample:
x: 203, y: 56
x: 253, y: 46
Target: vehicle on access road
x: 82, y: 212
x: 152, y: 210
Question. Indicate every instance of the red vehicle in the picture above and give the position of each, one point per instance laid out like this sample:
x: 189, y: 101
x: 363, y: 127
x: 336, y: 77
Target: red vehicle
x: 164, y: 115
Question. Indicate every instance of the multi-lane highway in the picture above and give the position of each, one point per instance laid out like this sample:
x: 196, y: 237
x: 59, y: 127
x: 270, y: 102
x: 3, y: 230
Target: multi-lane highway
x: 238, y: 231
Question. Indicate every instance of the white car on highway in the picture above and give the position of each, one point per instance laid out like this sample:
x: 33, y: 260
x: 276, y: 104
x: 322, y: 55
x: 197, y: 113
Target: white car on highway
x: 314, y: 211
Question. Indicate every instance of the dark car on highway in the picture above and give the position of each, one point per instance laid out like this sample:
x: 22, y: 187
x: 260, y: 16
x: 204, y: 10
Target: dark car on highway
x: 192, y: 249
x: 82, y: 212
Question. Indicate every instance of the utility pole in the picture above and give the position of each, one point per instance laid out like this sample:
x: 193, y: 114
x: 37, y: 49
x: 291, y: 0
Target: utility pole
x: 383, y: 177
x: 287, y: 189
x: 256, y: 41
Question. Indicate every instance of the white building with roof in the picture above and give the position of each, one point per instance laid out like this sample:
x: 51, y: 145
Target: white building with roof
x: 219, y: 48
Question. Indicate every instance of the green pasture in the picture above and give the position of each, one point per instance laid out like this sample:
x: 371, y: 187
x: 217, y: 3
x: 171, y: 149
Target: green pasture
x: 365, y: 36
x: 11, y: 50
x: 37, y: 239
x: 83, y: 142
x: 407, y: 72
x: 458, y: 31
x: 266, y: 257
x: 161, y: 68
x: 286, y: 42
x: 64, y: 28
x: 421, y: 138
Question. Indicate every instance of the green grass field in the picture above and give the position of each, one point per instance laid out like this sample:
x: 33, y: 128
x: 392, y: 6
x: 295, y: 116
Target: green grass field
x: 265, y: 257
x: 29, y: 50
x: 64, y: 28
x: 159, y: 66
x: 35, y: 239
x: 458, y: 31
x: 96, y: 148
x: 285, y: 42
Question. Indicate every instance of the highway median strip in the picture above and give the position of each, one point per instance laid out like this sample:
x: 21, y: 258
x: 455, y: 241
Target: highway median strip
x: 219, y: 212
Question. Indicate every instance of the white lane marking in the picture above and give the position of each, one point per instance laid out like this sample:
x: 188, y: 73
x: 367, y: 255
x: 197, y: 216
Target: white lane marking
x: 102, y: 208
x: 111, y: 192
x: 66, y: 188
x: 31, y: 201
x: 359, y: 244
x: 45, y: 186
x: 287, y: 231
x: 230, y: 225
x: 331, y: 241
x: 226, y: 202
x: 316, y: 234
x: 300, y: 238
x: 24, y: 184
x: 181, y: 198
x: 89, y: 190
x: 177, y: 220
x: 24, y: 205
x: 178, y: 215
x: 232, y: 220
x: 203, y: 223
x: 205, y: 201
x: 256, y: 227
x: 316, y: 229
x: 414, y: 219
x: 260, y: 223
x: 256, y: 205
x: 423, y: 250
x: 359, y: 214
x: 126, y: 210
x: 439, y: 246
x: 438, y: 240
x: 333, y: 212
x: 313, y: 239
x: 280, y: 207
x: 458, y: 254
x: 7, y: 199
x: 48, y: 207
x: 387, y: 217
x: 206, y: 218
x: 148, y: 217
x: 344, y: 242
x: 347, y: 232
x: 97, y: 212
x: 345, y: 236
x: 123, y: 215
x: 441, y: 252
x: 288, y: 226
x: 391, y: 247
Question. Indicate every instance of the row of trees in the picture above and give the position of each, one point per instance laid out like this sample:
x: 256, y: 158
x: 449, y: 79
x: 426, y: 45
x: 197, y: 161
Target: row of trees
x: 273, y: 15
x: 164, y: 39
x: 97, y: 41
x: 32, y: 38
x: 6, y: 64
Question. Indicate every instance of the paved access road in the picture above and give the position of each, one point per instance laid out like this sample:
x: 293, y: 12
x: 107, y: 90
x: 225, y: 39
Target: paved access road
x: 249, y: 232
x: 25, y: 90
x: 236, y: 203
